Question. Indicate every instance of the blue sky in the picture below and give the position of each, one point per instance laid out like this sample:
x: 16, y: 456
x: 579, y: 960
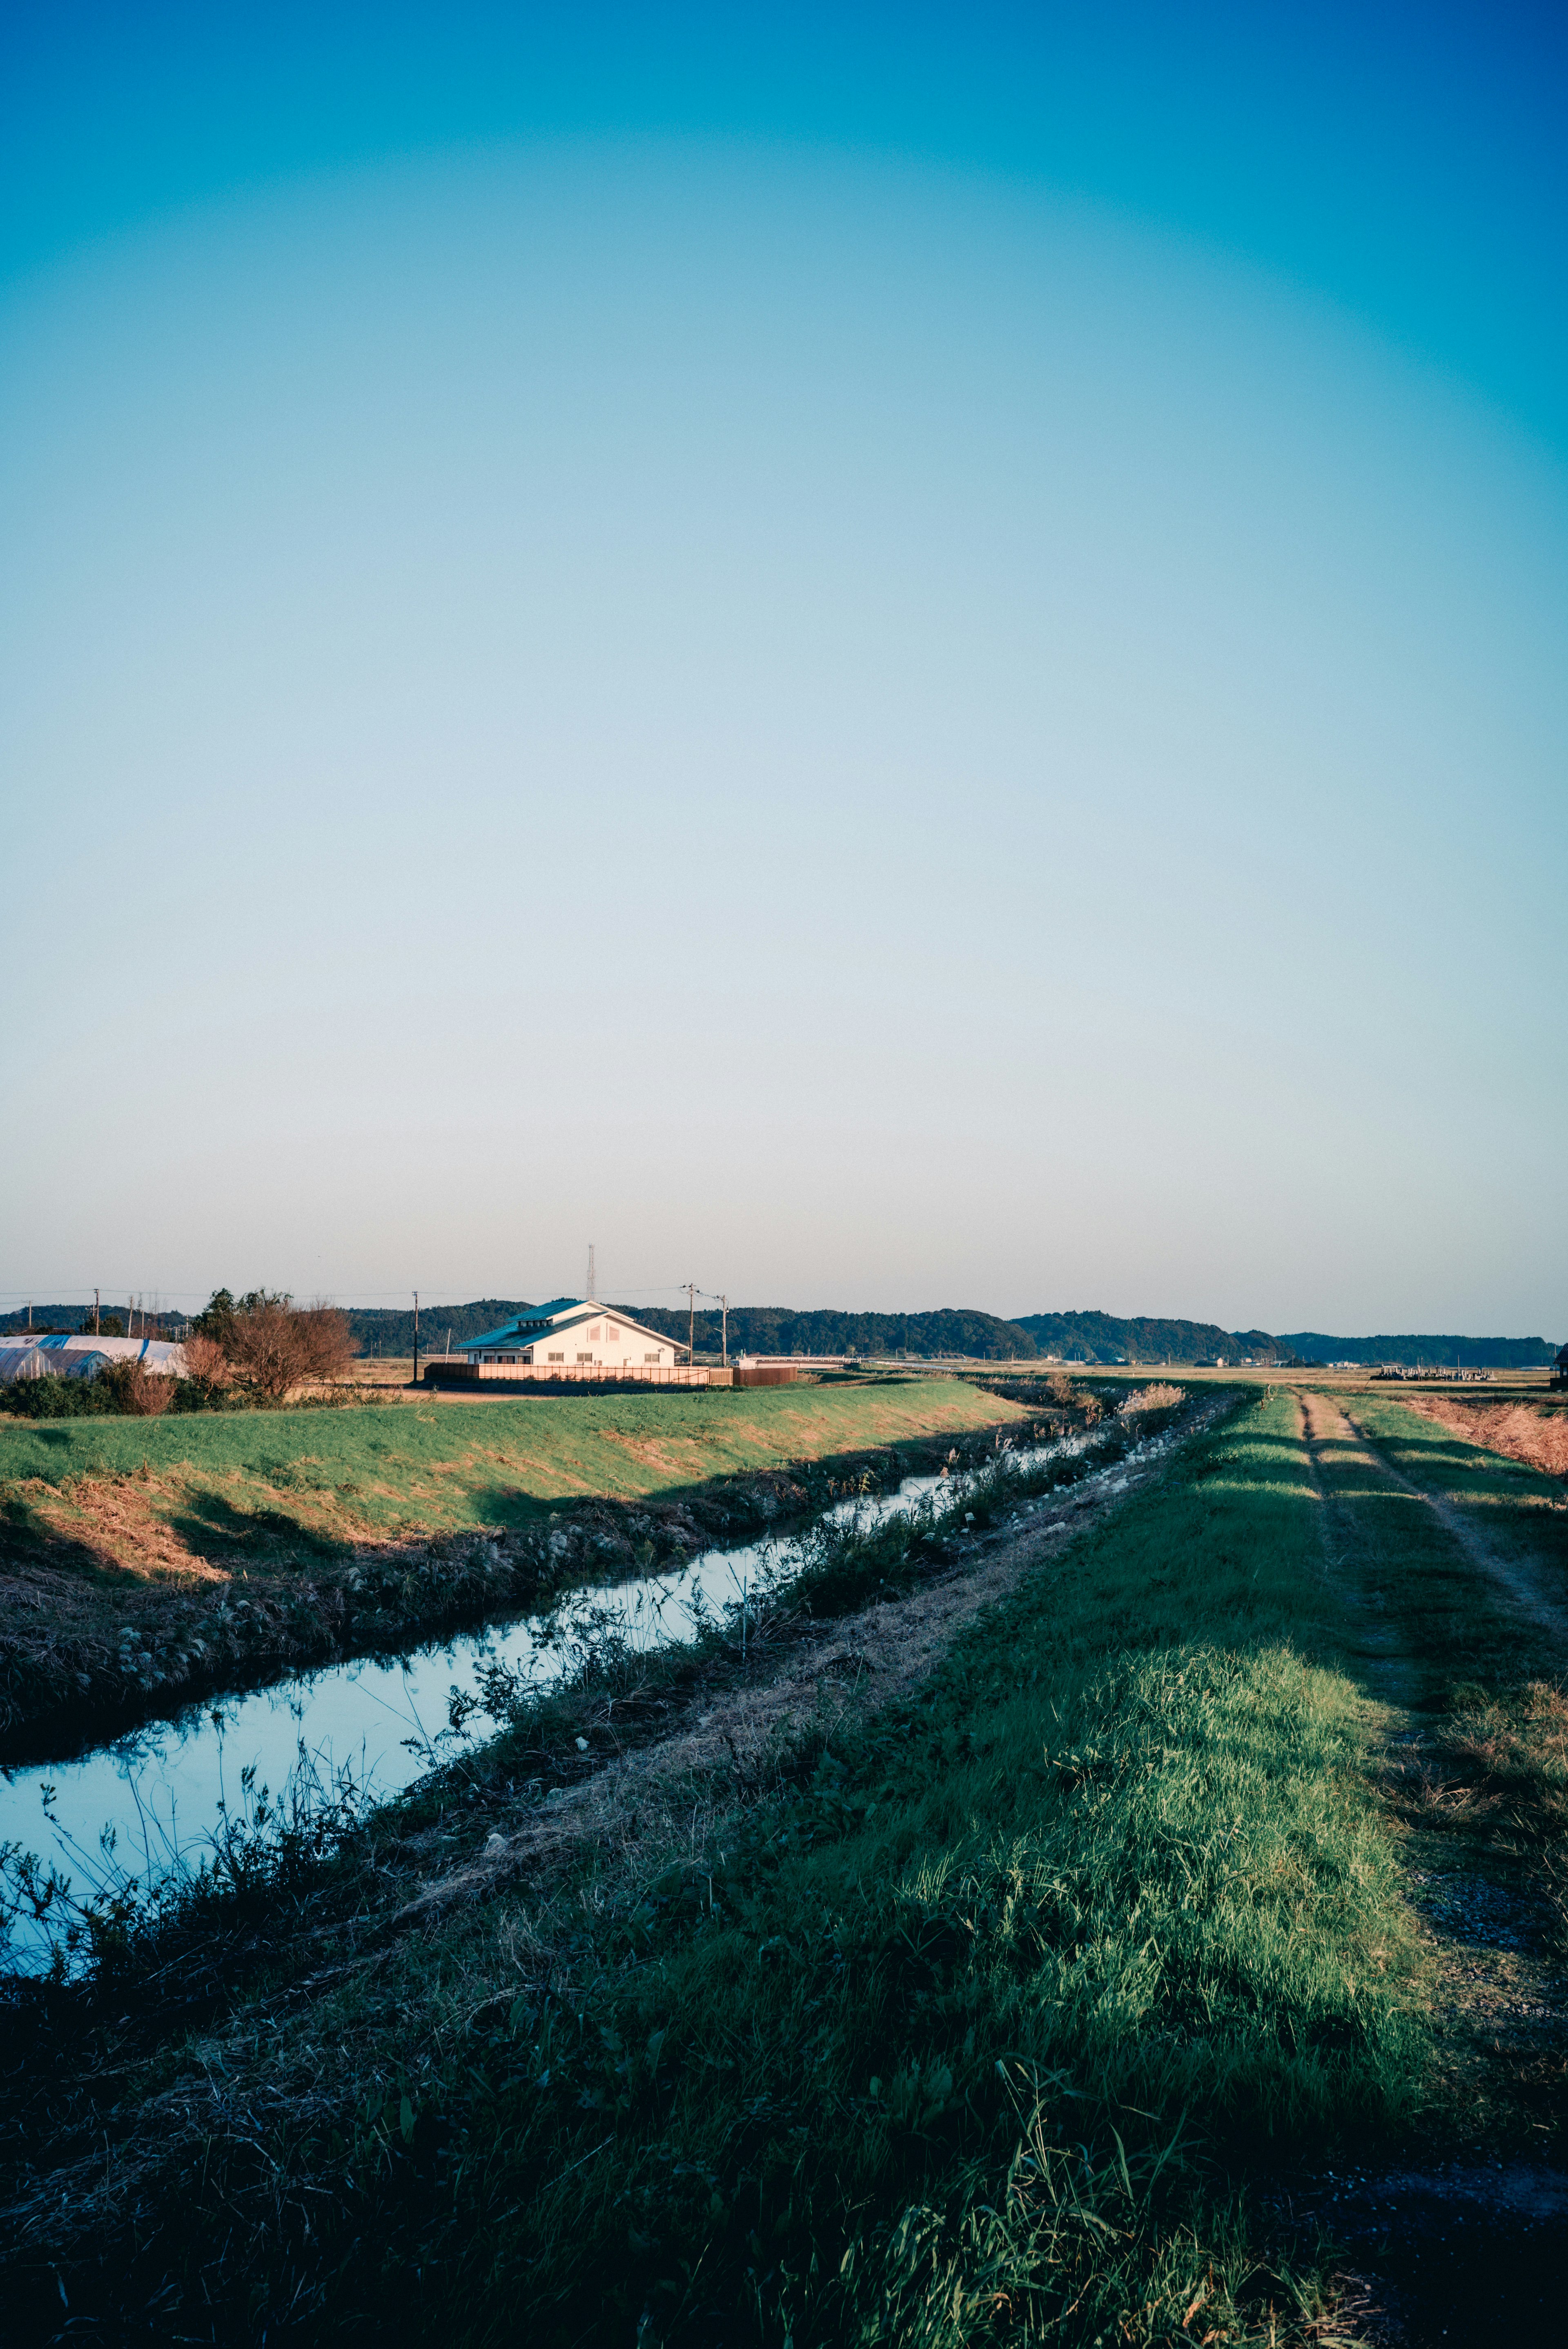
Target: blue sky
x: 889, y: 658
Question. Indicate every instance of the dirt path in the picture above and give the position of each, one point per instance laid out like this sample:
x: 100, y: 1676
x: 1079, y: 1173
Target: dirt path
x: 826, y: 1672
x: 1391, y: 1674
x: 1472, y: 2246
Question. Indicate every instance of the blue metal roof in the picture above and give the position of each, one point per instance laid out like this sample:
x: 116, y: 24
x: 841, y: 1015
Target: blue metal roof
x: 531, y: 1324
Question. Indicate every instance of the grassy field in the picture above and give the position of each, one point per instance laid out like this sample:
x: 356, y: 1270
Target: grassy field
x: 1514, y: 1505
x: 954, y: 2026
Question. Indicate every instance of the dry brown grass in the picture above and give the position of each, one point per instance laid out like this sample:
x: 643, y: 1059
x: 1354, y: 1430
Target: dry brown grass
x: 1537, y: 1438
x: 119, y: 1521
x: 1158, y: 1397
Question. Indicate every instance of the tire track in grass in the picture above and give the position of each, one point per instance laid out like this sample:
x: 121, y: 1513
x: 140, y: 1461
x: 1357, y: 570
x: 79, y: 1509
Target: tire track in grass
x: 1522, y: 1585
x: 1471, y: 2247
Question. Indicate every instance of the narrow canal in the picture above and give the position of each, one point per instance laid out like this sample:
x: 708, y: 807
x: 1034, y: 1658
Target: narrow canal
x: 151, y: 1803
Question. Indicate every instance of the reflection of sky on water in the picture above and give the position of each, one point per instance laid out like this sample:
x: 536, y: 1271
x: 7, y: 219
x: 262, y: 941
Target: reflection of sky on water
x: 159, y: 1792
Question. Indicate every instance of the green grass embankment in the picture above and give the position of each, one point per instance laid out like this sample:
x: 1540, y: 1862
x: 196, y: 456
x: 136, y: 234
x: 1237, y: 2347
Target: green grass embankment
x: 446, y: 1467
x: 953, y: 2036
x: 1120, y: 1867
x: 1463, y: 1629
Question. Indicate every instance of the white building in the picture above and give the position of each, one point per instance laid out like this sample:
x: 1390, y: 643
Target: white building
x: 577, y: 1338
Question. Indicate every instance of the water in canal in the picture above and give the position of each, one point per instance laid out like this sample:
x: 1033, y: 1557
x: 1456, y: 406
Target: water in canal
x: 151, y: 1803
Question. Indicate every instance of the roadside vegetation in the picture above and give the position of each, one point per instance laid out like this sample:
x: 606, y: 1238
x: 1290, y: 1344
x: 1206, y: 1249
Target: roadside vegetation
x: 1534, y: 1432
x: 249, y: 1354
x: 961, y: 2019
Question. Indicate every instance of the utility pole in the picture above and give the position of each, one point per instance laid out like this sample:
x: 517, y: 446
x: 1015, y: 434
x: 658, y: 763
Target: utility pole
x: 416, y: 1337
x: 724, y: 1301
x: 691, y: 1327
x: 95, y: 1313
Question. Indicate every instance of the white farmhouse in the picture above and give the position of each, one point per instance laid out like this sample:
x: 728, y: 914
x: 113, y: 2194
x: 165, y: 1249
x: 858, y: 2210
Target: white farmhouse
x: 577, y: 1338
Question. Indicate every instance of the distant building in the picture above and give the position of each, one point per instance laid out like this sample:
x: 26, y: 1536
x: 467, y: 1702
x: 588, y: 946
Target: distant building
x: 82, y: 1357
x: 797, y: 1361
x: 1560, y: 1375
x: 575, y: 1338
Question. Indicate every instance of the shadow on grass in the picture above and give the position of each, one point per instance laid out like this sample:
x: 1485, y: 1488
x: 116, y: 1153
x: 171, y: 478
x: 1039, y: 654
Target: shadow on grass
x: 210, y: 1524
x: 746, y: 1504
x: 28, y: 1540
x: 1454, y: 1451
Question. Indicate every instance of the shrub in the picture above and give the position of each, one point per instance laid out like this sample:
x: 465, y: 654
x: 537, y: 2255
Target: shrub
x: 120, y: 1389
x: 131, y: 1389
x: 52, y: 1398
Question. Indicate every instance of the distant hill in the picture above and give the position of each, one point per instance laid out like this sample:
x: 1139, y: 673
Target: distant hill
x: 46, y: 1317
x: 379, y: 1330
x: 1476, y: 1353
x: 787, y: 1329
x: 1105, y: 1338
x: 76, y: 1318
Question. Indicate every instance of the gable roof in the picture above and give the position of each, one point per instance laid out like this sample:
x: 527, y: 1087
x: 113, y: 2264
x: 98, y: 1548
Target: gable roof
x: 554, y: 1320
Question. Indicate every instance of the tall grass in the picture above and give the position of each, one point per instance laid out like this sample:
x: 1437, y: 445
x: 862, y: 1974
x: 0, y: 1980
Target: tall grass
x: 956, y: 2032
x: 1108, y: 1904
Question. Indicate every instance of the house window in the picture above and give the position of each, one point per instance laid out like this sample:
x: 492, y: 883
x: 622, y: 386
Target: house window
x: 593, y: 1333
x: 649, y: 1357
x: 555, y: 1357
x: 585, y: 1358
x: 611, y: 1333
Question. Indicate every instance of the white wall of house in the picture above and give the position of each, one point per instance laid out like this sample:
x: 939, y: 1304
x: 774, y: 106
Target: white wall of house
x: 602, y: 1341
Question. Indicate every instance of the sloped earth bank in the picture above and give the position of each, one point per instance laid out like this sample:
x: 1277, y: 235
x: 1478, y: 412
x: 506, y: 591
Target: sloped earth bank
x: 1460, y: 1582
x: 116, y: 1620
x: 235, y: 2035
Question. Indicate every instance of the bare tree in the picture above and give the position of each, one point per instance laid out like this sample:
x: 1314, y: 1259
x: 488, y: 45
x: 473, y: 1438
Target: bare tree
x: 274, y: 1345
x: 326, y: 1348
x: 263, y: 1346
x: 205, y: 1360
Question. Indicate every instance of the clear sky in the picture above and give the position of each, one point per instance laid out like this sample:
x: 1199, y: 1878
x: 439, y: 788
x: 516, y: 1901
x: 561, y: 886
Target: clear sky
x: 885, y: 656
